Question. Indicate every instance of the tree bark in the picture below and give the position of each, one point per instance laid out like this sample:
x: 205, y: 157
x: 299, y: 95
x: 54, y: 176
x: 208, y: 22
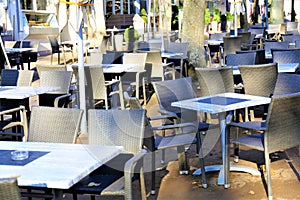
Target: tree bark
x: 277, y: 15
x: 193, y: 31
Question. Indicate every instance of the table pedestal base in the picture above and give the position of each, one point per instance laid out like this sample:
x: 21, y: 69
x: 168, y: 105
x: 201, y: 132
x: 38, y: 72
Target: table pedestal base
x: 235, y: 168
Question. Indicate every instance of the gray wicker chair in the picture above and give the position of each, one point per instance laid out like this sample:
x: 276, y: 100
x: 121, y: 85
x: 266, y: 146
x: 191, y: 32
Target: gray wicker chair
x: 287, y: 83
x: 181, y: 61
x: 100, y: 90
x: 280, y: 130
x: 115, y: 127
x: 58, y: 98
x: 176, y: 90
x: 133, y: 80
x: 9, y: 189
x: 282, y: 56
x: 260, y: 55
x: 241, y: 59
x: 259, y: 80
x: 290, y: 38
x: 51, y: 124
x: 276, y: 45
x: 49, y: 67
x: 231, y: 44
x: 297, y: 44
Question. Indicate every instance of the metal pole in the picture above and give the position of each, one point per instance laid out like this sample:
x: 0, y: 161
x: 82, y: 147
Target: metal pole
x: 149, y: 20
x: 267, y: 13
x: 235, y: 20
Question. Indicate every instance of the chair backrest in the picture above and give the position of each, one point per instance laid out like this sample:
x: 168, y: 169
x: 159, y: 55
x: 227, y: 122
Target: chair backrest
x: 9, y: 77
x: 117, y: 127
x: 287, y: 83
x: 276, y: 45
x: 282, y: 124
x: 149, y: 46
x: 245, y: 36
x: 217, y: 36
x: 154, y: 61
x: 215, y: 80
x: 9, y: 189
x: 176, y: 90
x: 49, y: 67
x: 291, y: 38
x: 297, y: 44
x: 25, y: 77
x: 290, y: 26
x: 231, y: 44
x: 108, y: 58
x: 60, y: 79
x: 95, y: 82
x: 240, y: 59
x: 177, y: 47
x: 259, y: 80
x: 257, y: 30
x: 135, y: 58
x: 54, y: 44
x: 98, y: 58
x: 51, y: 124
x: 260, y: 55
x: 292, y: 56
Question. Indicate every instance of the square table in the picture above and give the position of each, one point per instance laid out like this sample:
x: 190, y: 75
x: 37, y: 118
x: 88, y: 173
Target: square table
x: 221, y: 104
x: 57, y: 166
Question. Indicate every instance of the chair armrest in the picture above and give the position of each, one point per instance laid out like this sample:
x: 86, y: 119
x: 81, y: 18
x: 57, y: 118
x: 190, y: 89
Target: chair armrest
x: 174, y: 126
x: 57, y: 99
x: 129, y: 171
x: 108, y: 83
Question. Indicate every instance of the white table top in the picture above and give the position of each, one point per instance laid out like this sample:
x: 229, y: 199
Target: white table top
x: 17, y: 50
x: 221, y: 102
x: 214, y: 42
x: 22, y: 92
x: 113, y: 68
x: 282, y: 68
x: 62, y: 167
x: 170, y: 54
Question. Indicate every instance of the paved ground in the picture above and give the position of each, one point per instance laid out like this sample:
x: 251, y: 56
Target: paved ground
x: 171, y: 185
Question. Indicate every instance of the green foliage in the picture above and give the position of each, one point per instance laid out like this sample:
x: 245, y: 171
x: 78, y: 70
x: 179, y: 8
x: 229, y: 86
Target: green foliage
x: 216, y: 13
x: 229, y: 16
x: 144, y: 16
x: 131, y: 35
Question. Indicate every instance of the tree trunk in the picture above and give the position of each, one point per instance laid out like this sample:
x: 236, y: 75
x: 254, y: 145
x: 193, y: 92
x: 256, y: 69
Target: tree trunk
x: 193, y: 31
x: 277, y: 15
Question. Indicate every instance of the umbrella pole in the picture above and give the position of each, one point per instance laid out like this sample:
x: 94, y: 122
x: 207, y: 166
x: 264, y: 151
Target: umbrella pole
x: 235, y: 20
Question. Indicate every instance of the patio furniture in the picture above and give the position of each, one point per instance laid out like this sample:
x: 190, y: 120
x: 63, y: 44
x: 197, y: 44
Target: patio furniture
x: 49, y: 67
x: 250, y: 43
x: 282, y: 56
x: 175, y: 90
x: 260, y: 55
x: 100, y: 90
x: 29, y: 56
x: 280, y: 131
x: 286, y: 84
x: 58, y: 98
x: 58, y: 48
x: 275, y: 45
x: 115, y: 127
x: 19, y: 121
x: 53, y: 166
x: 231, y: 44
x: 297, y: 44
x: 9, y: 189
x: 180, y: 60
x: 133, y: 80
x: 223, y: 104
x: 259, y: 80
x: 240, y: 59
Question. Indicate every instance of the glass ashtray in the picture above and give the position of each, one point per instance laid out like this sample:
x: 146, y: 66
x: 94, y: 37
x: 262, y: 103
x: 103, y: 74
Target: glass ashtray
x: 19, y: 155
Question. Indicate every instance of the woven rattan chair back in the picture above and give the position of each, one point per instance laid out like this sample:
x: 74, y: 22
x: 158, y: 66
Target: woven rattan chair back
x: 176, y: 47
x: 60, y: 79
x: 245, y: 36
x: 9, y: 77
x: 176, y: 90
x: 287, y: 83
x: 276, y: 45
x: 290, y: 38
x: 49, y: 67
x: 95, y: 82
x: 260, y: 55
x: 9, y: 189
x: 292, y: 56
x: 215, y: 80
x: 297, y: 44
x: 282, y: 125
x: 155, y: 61
x: 217, y: 36
x: 259, y: 80
x: 25, y: 77
x: 231, y: 44
x: 117, y: 127
x: 241, y: 59
x: 51, y: 124
x: 135, y: 58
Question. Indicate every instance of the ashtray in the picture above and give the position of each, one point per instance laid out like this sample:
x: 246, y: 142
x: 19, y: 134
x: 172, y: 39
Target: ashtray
x: 19, y: 155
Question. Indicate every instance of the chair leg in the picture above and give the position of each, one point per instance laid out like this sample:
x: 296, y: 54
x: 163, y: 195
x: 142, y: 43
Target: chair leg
x: 268, y: 161
x: 182, y: 160
x: 201, y: 159
x: 51, y: 58
x: 58, y: 58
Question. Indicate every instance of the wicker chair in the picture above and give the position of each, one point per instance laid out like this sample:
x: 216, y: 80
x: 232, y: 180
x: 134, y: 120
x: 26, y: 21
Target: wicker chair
x: 49, y: 67
x: 291, y: 38
x: 61, y: 97
x: 100, y: 90
x: 176, y: 90
x: 280, y: 130
x: 291, y: 56
x: 181, y: 61
x: 259, y: 80
x: 241, y: 59
x: 276, y: 45
x: 115, y: 127
x: 297, y: 44
x: 9, y: 189
x: 287, y: 83
x: 133, y: 80
x: 231, y: 44
x: 260, y: 55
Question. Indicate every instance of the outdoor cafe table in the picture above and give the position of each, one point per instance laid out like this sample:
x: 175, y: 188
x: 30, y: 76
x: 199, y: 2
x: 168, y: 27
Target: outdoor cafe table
x: 221, y: 104
x: 53, y: 165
